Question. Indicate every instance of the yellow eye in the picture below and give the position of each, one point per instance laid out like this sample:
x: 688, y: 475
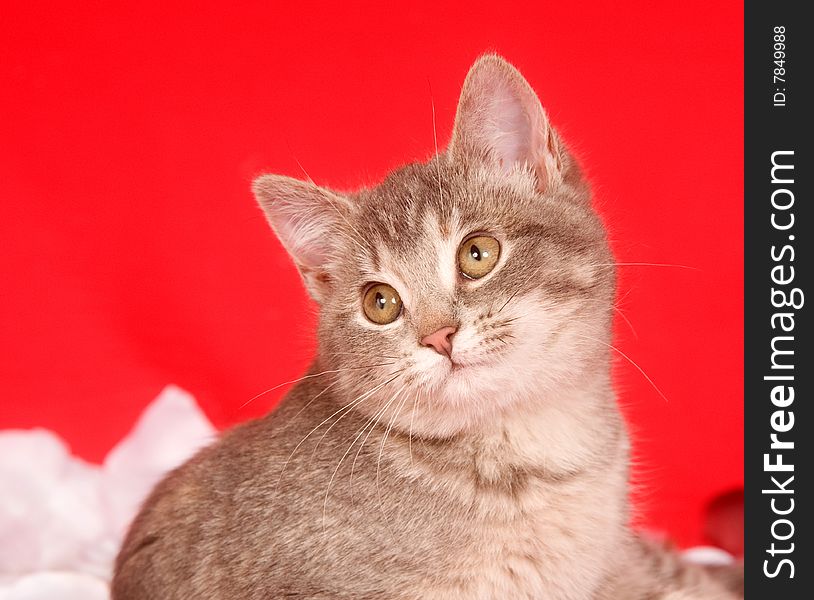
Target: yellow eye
x: 382, y: 304
x: 478, y: 255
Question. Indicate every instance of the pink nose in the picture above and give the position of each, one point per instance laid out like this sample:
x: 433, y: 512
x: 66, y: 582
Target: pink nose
x: 440, y: 341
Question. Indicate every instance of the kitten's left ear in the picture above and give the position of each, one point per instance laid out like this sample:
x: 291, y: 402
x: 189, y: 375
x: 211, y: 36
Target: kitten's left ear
x: 309, y: 221
x: 500, y: 121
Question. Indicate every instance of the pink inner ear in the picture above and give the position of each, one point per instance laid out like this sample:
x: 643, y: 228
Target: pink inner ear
x: 305, y: 241
x: 508, y: 128
x: 500, y: 117
x: 303, y: 215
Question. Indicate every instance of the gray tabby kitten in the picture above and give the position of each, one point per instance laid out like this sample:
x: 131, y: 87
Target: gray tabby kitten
x: 457, y: 436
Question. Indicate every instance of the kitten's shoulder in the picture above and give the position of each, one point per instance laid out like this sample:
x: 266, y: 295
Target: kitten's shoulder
x: 159, y: 551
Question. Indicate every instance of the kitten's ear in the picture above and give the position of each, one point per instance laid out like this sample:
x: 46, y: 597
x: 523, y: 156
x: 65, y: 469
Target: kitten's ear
x: 500, y: 121
x: 308, y: 221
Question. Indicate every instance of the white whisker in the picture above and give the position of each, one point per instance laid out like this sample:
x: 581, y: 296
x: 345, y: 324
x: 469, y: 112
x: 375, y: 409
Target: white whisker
x: 410, y: 433
x: 348, y: 406
x: 629, y: 324
x: 646, y: 264
x: 381, y: 451
x: 309, y: 376
x: 367, y: 395
x: 435, y: 141
x: 372, y: 424
x: 630, y: 360
x: 341, y: 460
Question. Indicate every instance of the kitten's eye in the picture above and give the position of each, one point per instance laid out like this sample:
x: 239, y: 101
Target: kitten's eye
x: 478, y: 255
x: 382, y: 304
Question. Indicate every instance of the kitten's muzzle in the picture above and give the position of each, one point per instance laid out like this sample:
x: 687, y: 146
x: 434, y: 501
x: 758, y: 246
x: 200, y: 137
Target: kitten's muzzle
x: 440, y: 341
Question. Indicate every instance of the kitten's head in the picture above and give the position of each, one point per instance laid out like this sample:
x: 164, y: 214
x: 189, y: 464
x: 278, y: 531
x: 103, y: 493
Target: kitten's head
x: 460, y: 288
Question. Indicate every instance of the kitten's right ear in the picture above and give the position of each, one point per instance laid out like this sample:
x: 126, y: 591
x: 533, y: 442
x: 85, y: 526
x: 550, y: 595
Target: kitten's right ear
x: 308, y: 221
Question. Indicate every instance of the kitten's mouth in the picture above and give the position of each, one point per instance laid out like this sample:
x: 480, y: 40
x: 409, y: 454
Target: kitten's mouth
x: 458, y: 366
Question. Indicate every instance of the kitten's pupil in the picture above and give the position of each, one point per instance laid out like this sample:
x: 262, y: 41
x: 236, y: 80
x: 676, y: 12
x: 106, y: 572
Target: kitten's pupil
x: 380, y: 301
x: 474, y: 252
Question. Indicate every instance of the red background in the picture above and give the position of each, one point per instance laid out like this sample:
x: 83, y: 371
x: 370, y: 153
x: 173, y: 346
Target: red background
x: 133, y: 255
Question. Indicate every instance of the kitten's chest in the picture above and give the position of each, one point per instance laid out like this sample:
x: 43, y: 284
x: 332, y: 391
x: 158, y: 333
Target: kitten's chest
x: 522, y: 534
x: 502, y: 516
x: 547, y: 545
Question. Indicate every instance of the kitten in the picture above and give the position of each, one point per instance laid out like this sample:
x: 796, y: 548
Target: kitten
x: 457, y: 436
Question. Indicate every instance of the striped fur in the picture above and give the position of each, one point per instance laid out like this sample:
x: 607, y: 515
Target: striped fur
x: 393, y: 472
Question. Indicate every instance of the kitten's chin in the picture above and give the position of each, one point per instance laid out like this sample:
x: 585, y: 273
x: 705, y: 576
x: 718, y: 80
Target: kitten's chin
x: 471, y: 389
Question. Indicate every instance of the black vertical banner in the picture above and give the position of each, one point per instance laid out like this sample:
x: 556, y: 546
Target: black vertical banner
x: 779, y: 437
